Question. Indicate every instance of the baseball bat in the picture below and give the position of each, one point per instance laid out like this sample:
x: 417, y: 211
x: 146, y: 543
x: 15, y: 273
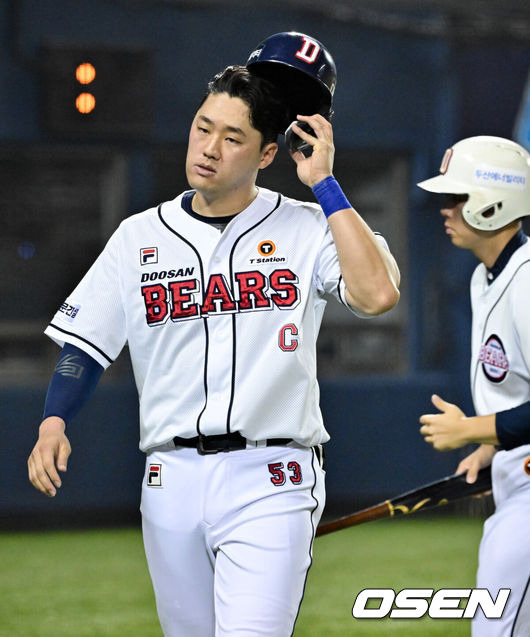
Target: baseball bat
x: 448, y: 489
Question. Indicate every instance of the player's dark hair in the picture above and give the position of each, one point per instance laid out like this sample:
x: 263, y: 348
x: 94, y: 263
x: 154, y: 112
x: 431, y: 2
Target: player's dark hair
x: 268, y: 111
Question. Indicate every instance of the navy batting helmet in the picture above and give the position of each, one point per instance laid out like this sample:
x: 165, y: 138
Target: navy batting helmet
x: 301, y: 67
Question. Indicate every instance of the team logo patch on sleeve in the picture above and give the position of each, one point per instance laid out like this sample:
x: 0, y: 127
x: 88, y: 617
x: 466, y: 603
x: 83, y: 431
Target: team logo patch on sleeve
x: 69, y: 311
x: 154, y: 475
x: 494, y: 361
x: 148, y: 256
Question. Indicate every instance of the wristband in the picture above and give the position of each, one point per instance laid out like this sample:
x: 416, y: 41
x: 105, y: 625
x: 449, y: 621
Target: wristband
x: 330, y: 196
x: 512, y: 426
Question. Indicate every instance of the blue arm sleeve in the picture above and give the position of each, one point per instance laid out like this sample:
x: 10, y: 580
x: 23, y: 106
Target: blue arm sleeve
x: 513, y: 426
x: 74, y: 379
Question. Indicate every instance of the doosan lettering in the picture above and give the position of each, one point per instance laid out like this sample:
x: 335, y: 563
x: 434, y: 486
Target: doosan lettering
x: 166, y: 274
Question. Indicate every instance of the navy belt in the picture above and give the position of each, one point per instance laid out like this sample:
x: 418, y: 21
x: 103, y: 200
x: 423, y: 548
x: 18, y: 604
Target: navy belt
x: 223, y: 442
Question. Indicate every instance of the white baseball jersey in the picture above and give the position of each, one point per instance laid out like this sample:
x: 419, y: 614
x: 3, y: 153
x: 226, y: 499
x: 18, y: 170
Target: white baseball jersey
x: 500, y: 361
x: 221, y: 326
x: 500, y: 380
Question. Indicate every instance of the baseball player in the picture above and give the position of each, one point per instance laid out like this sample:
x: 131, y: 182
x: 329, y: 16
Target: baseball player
x: 219, y: 295
x: 486, y: 185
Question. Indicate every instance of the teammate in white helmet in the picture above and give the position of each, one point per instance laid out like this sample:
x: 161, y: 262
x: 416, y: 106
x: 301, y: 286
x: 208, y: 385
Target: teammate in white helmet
x: 486, y: 185
x: 219, y: 295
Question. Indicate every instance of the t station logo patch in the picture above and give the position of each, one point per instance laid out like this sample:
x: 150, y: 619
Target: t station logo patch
x: 494, y: 361
x: 266, y: 248
x: 154, y: 475
x: 267, y: 254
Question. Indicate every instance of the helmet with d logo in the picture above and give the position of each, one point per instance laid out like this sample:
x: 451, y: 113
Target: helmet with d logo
x: 301, y: 67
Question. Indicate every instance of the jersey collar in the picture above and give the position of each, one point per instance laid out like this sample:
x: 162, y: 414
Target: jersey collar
x: 218, y: 222
x: 513, y: 244
x: 175, y: 217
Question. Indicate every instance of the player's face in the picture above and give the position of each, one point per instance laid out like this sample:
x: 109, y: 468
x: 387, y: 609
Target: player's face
x: 224, y: 150
x: 460, y: 232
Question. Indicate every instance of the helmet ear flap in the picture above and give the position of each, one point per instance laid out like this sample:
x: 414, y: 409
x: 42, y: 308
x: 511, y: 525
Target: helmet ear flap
x: 489, y: 212
x: 485, y: 216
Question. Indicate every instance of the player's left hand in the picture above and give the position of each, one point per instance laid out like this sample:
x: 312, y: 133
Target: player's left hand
x: 319, y: 165
x: 475, y: 461
x: 446, y: 430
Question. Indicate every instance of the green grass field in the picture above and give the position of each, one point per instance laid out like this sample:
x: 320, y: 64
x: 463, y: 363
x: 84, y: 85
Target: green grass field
x: 96, y: 584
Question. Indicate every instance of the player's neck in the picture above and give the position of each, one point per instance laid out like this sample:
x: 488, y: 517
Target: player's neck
x: 224, y: 206
x: 488, y: 251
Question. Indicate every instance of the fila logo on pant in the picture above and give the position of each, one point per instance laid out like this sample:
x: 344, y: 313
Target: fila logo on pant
x: 154, y: 475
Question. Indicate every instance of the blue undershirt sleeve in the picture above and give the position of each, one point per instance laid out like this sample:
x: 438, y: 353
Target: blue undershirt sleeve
x: 513, y: 426
x: 74, y: 379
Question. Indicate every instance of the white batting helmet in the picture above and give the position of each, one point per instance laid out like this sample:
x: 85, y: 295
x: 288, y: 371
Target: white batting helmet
x: 494, y: 172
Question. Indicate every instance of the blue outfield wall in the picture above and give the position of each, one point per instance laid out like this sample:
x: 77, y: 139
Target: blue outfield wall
x: 375, y: 450
x: 104, y: 473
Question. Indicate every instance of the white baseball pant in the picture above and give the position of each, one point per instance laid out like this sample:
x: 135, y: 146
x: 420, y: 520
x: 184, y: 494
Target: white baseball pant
x: 228, y: 538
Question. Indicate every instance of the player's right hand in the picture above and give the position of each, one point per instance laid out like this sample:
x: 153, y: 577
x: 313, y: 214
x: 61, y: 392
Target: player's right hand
x: 49, y: 455
x: 480, y: 458
x: 319, y: 164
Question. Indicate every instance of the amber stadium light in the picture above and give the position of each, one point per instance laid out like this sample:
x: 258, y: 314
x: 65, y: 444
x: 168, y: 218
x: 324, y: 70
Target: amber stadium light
x: 85, y: 73
x: 85, y: 103
x: 99, y: 92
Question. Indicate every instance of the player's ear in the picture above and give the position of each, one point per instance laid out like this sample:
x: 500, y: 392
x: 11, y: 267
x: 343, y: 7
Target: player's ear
x: 268, y: 153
